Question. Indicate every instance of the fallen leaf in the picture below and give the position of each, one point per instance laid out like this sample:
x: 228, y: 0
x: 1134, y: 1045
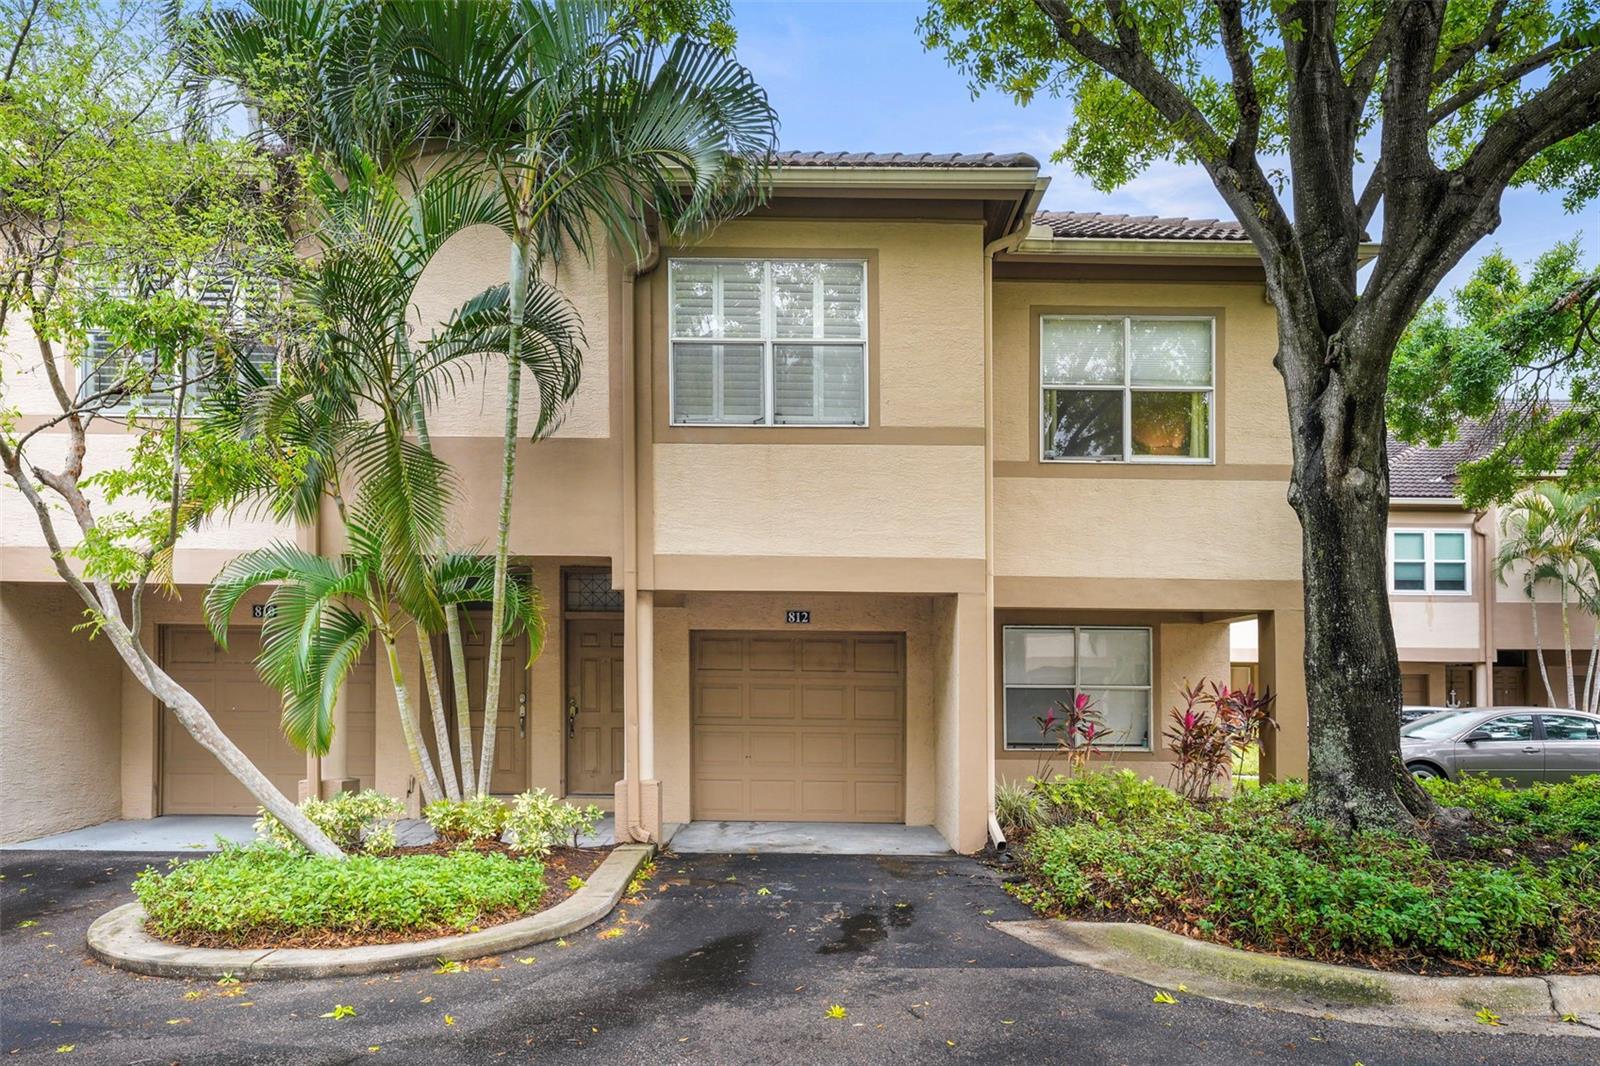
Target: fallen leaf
x: 65, y: 1049
x: 763, y: 891
x: 1163, y: 997
x: 29, y: 924
x: 836, y: 1011
x: 374, y: 1047
x: 427, y: 999
x: 449, y: 1019
x: 1183, y: 988
x: 177, y: 1021
x: 610, y: 934
x: 450, y: 966
x: 194, y: 993
x: 1486, y: 1016
x: 1570, y: 1019
x: 341, y: 1010
x: 527, y: 960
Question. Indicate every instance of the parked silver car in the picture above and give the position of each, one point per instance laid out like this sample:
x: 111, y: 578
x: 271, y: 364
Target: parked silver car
x: 1519, y: 745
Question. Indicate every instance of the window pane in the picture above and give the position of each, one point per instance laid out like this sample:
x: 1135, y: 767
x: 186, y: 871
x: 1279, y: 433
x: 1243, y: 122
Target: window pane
x: 1083, y: 424
x: 1409, y: 577
x: 1113, y: 657
x: 716, y: 299
x: 1126, y: 713
x: 716, y: 383
x: 1172, y: 423
x: 1169, y: 352
x: 1039, y: 656
x: 1081, y: 351
x: 1408, y: 545
x: 822, y: 300
x: 1570, y: 727
x: 1511, y: 727
x: 1450, y: 577
x: 1450, y: 547
x: 819, y: 383
x: 1023, y: 706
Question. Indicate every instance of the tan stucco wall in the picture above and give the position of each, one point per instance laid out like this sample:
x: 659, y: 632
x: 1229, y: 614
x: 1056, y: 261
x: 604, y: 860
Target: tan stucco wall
x: 1184, y: 652
x: 1145, y: 520
x: 60, y: 716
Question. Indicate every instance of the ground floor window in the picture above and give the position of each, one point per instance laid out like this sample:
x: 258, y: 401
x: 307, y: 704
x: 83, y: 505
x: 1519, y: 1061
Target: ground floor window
x: 1044, y: 665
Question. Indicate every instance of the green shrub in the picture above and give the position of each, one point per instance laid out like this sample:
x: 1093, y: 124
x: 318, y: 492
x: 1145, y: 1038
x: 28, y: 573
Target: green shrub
x: 1017, y: 807
x: 1115, y: 796
x: 1250, y: 871
x: 353, y: 820
x: 265, y: 894
x: 1566, y: 809
x: 467, y: 821
x: 539, y: 821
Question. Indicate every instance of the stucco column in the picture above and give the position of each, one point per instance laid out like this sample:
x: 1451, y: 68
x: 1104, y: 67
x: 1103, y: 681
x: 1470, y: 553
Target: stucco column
x: 1482, y: 685
x: 638, y: 794
x: 962, y: 724
x: 1285, y: 752
x: 141, y: 735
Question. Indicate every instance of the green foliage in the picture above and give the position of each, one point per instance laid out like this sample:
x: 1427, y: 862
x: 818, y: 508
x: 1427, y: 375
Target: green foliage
x: 540, y: 821
x: 1250, y: 871
x: 355, y: 821
x: 467, y: 821
x: 1114, y: 133
x: 1569, y: 809
x: 1519, y: 352
x: 259, y: 894
x: 1017, y: 807
x: 1117, y: 794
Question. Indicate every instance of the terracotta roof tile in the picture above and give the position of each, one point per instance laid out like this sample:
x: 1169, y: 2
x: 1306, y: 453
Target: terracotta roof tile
x: 956, y: 160
x: 1424, y: 472
x: 1093, y: 225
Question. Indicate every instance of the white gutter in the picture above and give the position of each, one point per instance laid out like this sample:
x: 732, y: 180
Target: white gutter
x: 906, y: 177
x: 1040, y: 241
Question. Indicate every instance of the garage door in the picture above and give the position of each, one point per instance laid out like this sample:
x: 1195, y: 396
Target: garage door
x: 798, y: 728
x: 1414, y: 690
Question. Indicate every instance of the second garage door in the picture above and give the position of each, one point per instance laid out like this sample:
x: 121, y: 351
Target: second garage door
x: 792, y: 728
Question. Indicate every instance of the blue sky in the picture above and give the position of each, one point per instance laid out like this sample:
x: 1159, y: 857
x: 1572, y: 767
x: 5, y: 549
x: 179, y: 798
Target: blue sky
x: 853, y: 76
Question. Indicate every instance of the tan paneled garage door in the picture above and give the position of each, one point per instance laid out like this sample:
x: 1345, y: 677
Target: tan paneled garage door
x: 192, y: 781
x: 799, y: 728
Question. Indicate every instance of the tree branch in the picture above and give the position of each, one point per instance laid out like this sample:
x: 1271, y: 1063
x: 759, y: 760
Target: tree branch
x: 1242, y: 66
x: 1459, y: 56
x: 1516, y: 72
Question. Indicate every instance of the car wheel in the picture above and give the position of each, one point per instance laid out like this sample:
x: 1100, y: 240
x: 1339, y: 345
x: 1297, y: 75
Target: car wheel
x: 1423, y: 772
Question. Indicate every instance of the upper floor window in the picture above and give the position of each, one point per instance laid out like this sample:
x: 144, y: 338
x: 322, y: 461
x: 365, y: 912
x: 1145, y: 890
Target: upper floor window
x: 1046, y: 665
x: 1126, y: 389
x: 768, y: 342
x: 1428, y: 560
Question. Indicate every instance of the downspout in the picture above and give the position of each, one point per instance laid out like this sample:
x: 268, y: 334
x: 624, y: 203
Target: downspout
x: 1020, y: 223
x: 636, y: 761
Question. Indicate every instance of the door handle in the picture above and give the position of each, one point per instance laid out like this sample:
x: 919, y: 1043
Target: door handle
x: 522, y: 715
x: 1531, y: 749
x: 572, y: 716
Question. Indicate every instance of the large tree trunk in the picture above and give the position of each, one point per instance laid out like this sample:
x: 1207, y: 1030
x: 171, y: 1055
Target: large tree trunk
x: 1340, y: 490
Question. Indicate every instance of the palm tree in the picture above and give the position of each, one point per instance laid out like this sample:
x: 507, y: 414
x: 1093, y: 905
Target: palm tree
x: 357, y: 390
x: 587, y: 126
x: 1554, y: 535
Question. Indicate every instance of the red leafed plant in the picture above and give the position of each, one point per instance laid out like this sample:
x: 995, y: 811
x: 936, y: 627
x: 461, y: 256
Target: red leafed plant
x: 1214, y: 726
x: 1076, y: 727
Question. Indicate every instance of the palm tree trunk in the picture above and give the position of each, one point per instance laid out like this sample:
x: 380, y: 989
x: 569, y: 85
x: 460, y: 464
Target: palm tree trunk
x: 1588, y: 678
x: 1538, y: 649
x: 441, y: 733
x: 458, y: 676
x: 1566, y: 644
x: 420, y: 765
x: 497, y: 614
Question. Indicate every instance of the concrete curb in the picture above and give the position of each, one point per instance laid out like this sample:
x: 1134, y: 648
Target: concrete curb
x: 1165, y: 960
x: 118, y: 937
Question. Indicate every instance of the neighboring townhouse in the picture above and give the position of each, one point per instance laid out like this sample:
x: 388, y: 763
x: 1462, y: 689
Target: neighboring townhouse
x: 1465, y: 633
x: 853, y: 490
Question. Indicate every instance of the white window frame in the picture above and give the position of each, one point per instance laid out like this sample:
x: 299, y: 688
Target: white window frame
x: 1128, y: 388
x: 86, y: 367
x: 1149, y: 690
x: 768, y: 341
x: 1429, y: 558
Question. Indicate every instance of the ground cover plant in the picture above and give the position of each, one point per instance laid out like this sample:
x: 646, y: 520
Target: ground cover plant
x: 1517, y: 892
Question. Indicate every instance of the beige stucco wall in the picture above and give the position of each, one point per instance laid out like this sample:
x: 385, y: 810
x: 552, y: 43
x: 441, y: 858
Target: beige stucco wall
x: 1184, y: 652
x: 60, y: 716
x: 1227, y: 520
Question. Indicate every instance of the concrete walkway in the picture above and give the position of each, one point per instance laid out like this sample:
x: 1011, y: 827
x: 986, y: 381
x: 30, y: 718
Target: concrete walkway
x: 807, y: 838
x: 199, y: 832
x: 172, y: 832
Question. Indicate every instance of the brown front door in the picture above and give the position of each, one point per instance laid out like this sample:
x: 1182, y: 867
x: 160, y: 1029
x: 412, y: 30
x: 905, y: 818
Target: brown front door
x: 1510, y: 686
x: 594, y: 705
x: 1458, y: 686
x: 510, y: 743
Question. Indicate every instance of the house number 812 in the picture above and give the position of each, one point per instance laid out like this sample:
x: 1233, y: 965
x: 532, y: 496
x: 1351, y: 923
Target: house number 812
x: 797, y: 618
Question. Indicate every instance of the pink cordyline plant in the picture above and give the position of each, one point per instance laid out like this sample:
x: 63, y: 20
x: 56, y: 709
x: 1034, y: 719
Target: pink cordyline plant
x: 1215, y: 725
x: 1077, y: 728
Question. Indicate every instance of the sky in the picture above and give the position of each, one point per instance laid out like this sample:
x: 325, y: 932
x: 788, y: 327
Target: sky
x: 853, y: 76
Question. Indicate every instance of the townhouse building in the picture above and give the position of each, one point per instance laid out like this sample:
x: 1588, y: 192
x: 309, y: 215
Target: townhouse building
x: 853, y: 490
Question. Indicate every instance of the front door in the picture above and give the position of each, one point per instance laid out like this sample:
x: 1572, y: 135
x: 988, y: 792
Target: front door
x: 1510, y: 686
x: 594, y: 705
x: 1458, y: 686
x: 510, y: 742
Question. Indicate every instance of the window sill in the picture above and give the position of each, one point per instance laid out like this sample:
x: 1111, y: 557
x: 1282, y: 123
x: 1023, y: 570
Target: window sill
x: 1129, y: 462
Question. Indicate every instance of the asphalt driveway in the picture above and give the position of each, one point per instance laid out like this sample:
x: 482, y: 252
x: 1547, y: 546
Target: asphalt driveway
x: 730, y: 960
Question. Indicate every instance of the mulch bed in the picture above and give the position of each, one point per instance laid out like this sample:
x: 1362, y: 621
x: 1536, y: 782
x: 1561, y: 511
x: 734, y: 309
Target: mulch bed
x: 559, y: 865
